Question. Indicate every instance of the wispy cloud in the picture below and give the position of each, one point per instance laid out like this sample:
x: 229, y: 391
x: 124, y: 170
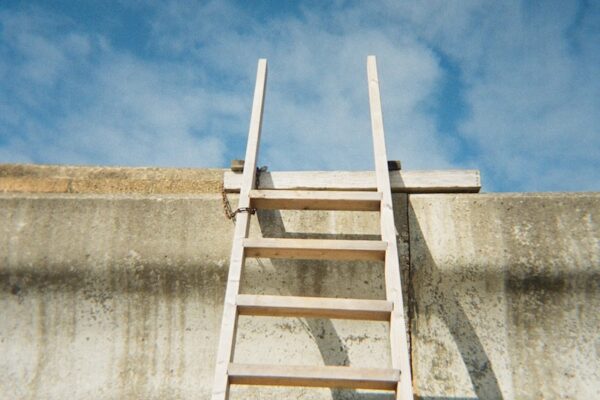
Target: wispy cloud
x: 524, y: 105
x: 532, y: 91
x: 76, y: 99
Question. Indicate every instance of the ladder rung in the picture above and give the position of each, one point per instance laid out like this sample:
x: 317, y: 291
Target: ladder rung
x: 316, y: 307
x: 313, y: 376
x: 315, y: 200
x: 316, y: 249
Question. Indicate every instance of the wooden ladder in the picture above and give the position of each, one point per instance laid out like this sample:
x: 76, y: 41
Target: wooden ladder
x: 396, y: 378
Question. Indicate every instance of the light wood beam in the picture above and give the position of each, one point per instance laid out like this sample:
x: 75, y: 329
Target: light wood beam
x: 315, y: 200
x: 442, y: 181
x: 229, y: 321
x: 314, y: 307
x: 314, y: 376
x: 398, y: 339
x: 315, y: 249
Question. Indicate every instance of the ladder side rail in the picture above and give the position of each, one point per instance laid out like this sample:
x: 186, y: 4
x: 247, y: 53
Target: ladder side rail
x: 225, y: 350
x: 398, y: 337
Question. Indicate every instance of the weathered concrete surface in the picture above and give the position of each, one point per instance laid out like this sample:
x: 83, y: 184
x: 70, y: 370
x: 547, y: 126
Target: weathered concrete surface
x: 120, y: 297
x: 506, y: 296
x: 83, y: 179
x: 108, y: 297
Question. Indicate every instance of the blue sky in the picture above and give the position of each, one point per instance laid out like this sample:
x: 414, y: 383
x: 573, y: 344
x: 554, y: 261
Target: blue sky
x: 511, y: 88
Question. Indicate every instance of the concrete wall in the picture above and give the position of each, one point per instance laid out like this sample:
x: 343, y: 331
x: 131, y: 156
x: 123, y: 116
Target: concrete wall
x: 115, y: 296
x: 506, y: 295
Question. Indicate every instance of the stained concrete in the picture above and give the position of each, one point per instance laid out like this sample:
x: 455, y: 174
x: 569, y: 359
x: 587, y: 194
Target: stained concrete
x: 113, y: 296
x: 119, y: 296
x: 506, y: 296
x: 109, y: 297
x: 28, y: 178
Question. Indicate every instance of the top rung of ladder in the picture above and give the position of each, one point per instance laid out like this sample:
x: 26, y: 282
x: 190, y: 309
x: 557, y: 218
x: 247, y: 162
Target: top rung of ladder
x: 315, y: 200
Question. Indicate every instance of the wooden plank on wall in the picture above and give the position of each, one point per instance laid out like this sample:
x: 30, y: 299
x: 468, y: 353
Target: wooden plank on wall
x: 435, y: 181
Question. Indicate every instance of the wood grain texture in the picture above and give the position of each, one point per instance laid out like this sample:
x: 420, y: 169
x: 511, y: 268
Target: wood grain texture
x: 229, y: 321
x: 442, y: 181
x: 315, y: 307
x: 316, y: 249
x: 398, y: 337
x: 314, y: 376
x: 315, y: 200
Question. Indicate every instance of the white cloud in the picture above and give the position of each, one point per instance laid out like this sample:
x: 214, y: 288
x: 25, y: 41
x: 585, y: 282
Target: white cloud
x: 116, y: 110
x: 528, y: 80
x: 316, y: 113
x: 145, y: 114
x: 533, y: 101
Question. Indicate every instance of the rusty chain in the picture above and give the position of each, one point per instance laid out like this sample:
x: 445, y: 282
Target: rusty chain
x: 227, y: 206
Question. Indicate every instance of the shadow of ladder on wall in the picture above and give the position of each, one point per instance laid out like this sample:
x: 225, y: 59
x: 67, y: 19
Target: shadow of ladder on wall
x: 398, y: 377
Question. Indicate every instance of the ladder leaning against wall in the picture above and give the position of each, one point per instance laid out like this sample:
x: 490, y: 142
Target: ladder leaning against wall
x: 398, y: 377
